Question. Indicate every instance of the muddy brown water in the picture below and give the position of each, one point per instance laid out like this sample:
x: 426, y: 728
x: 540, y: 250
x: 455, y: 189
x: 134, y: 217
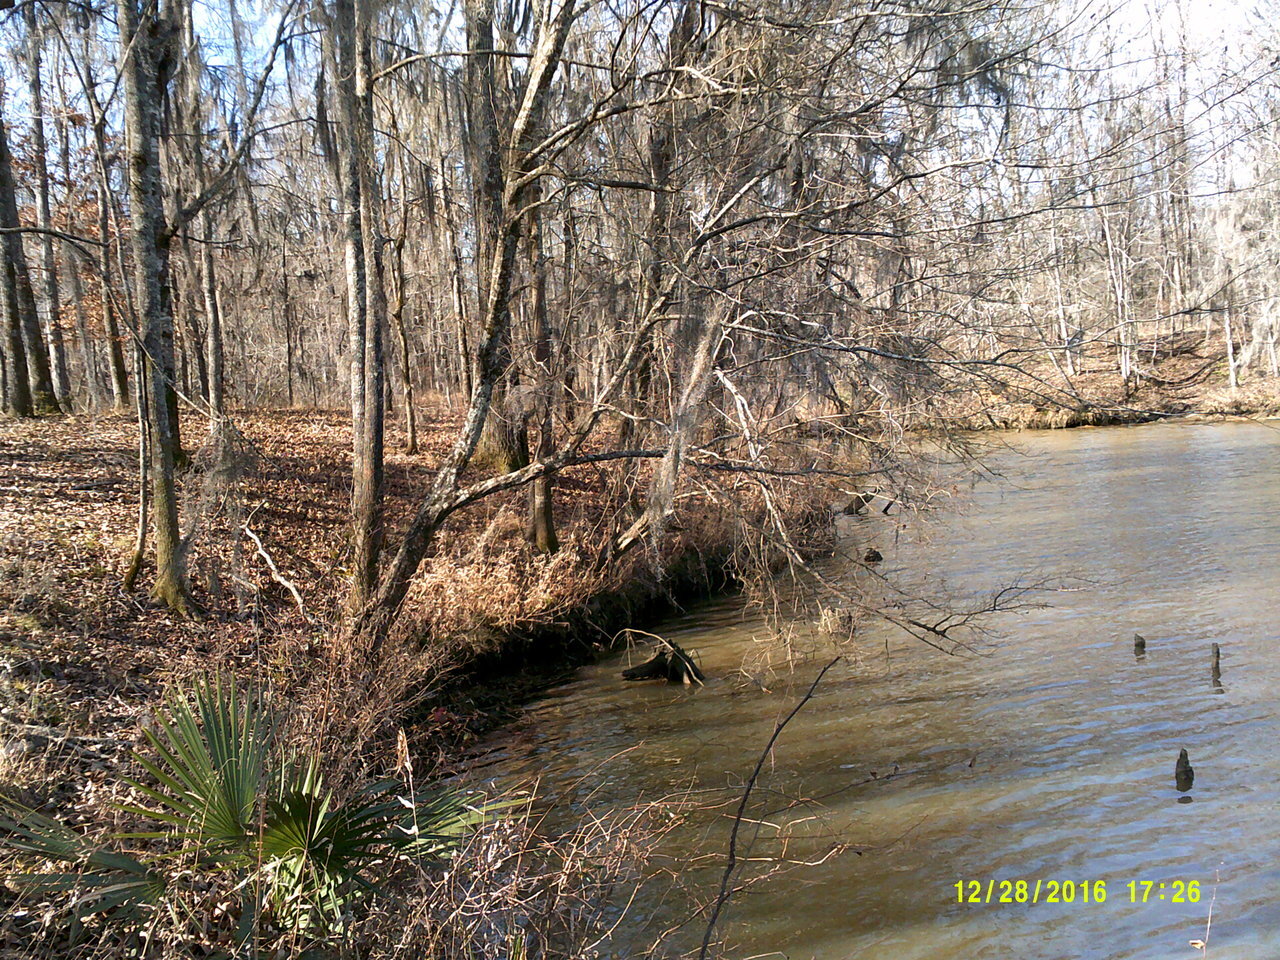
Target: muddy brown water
x: 1047, y: 755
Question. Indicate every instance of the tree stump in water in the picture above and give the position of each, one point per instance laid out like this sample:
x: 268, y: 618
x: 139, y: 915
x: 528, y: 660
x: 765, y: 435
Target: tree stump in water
x: 671, y: 664
x: 1183, y: 773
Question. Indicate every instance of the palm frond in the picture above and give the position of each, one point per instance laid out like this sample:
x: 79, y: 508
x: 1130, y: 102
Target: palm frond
x: 433, y: 822
x: 220, y: 794
x: 211, y: 765
x: 101, y: 880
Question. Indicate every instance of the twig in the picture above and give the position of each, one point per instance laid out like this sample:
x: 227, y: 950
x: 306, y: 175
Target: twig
x: 723, y: 896
x: 1203, y: 945
x: 276, y: 575
x: 60, y: 736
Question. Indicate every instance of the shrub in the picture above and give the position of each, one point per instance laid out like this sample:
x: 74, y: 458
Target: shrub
x: 241, y: 817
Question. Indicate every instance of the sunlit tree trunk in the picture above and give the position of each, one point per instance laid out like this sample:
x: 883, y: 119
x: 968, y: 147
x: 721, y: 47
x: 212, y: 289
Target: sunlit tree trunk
x: 117, y: 371
x: 213, y: 320
x: 75, y: 260
x: 352, y: 159
x: 17, y: 278
x: 542, y: 525
x: 150, y: 246
x: 402, y: 336
x: 44, y: 218
x: 504, y: 444
x: 17, y: 389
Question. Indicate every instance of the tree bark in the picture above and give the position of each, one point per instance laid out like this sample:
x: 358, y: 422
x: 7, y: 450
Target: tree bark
x: 74, y: 261
x: 402, y: 337
x: 115, y: 346
x: 504, y: 443
x: 18, y: 278
x: 88, y: 359
x: 44, y: 219
x: 213, y: 321
x: 365, y: 303
x: 542, y: 525
x: 17, y: 388
x: 142, y: 94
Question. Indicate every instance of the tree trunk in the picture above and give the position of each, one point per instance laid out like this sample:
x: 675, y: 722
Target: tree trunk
x: 213, y: 321
x: 115, y: 346
x: 150, y: 246
x: 402, y: 337
x: 75, y: 260
x: 87, y: 357
x: 44, y: 218
x: 1229, y: 334
x: 504, y: 443
x: 286, y: 311
x: 371, y: 481
x: 17, y: 277
x: 542, y: 525
x: 17, y: 388
x: 365, y: 304
x: 211, y: 363
x: 193, y: 342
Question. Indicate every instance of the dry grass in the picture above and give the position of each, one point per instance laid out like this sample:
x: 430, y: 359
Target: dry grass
x: 525, y: 890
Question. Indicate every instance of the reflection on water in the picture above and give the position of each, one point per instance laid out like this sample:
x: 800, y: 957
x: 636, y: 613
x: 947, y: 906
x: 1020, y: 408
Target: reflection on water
x: 1053, y: 755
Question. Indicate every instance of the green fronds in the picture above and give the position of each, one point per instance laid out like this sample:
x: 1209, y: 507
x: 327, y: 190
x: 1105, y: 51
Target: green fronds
x: 231, y: 807
x: 95, y: 878
x: 212, y: 759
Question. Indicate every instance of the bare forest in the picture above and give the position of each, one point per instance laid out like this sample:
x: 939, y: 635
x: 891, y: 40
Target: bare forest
x: 365, y: 363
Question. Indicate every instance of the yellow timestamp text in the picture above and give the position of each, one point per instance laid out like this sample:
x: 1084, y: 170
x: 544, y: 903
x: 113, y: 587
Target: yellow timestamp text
x: 1075, y: 891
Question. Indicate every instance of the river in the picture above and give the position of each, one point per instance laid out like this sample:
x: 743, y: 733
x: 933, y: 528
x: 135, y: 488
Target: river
x: 1045, y: 754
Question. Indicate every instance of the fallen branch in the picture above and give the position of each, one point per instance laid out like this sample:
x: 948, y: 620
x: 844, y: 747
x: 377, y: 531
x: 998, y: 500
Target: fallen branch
x: 30, y: 732
x: 276, y: 575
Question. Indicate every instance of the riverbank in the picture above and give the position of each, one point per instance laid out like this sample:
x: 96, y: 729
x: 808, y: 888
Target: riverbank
x: 80, y: 657
x: 83, y: 660
x: 1177, y: 377
x: 85, y: 664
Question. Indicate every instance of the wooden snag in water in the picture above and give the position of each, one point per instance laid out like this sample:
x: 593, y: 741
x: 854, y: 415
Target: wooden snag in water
x: 654, y: 669
x: 670, y: 663
x: 1217, y: 663
x: 1183, y: 773
x: 1139, y: 644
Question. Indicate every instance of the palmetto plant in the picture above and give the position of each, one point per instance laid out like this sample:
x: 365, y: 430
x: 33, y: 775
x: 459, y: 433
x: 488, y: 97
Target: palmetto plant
x: 231, y: 806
